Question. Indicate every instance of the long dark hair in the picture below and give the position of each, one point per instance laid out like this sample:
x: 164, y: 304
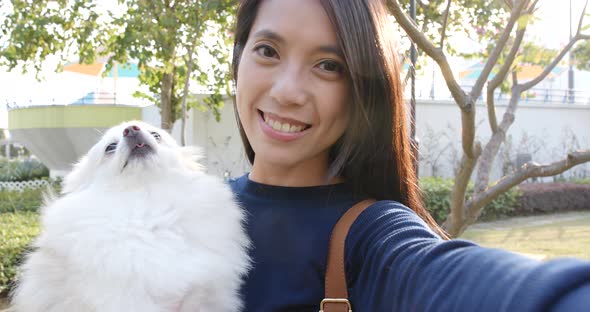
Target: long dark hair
x: 374, y: 154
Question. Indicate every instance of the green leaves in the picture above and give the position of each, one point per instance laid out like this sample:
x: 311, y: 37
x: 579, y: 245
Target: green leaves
x: 437, y: 199
x: 582, y: 55
x: 34, y: 31
x: 526, y: 20
x: 158, y: 35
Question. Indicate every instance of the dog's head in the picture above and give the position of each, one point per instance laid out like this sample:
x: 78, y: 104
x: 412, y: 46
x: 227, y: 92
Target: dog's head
x: 132, y: 150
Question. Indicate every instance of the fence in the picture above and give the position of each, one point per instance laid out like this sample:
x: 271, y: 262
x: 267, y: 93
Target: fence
x: 22, y: 185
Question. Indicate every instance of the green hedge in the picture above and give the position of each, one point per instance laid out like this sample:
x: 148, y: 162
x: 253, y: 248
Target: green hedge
x: 437, y: 199
x: 17, y: 230
x: 17, y: 201
x: 28, y: 199
x: 581, y: 181
x: 19, y: 225
x: 22, y: 170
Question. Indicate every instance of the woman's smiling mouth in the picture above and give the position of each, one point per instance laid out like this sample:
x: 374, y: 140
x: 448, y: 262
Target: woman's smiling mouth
x: 279, y: 128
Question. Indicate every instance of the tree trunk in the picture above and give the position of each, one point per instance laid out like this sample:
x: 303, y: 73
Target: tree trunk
x: 456, y: 217
x: 492, y: 148
x: 189, y: 68
x: 166, y: 101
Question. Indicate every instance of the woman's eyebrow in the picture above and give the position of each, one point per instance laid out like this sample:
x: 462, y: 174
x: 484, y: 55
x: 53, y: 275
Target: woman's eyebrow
x: 330, y: 49
x: 269, y: 34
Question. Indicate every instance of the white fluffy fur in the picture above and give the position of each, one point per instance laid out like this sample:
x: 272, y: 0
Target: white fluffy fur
x: 156, y: 234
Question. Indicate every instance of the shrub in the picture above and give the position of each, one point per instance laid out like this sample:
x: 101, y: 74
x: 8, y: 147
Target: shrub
x: 22, y: 170
x: 506, y: 204
x: 29, y: 199
x: 553, y: 197
x: 436, y: 193
x: 17, y: 231
x: 19, y: 225
x: 437, y: 199
x: 20, y: 201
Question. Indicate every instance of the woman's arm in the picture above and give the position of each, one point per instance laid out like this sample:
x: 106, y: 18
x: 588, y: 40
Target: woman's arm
x: 576, y: 300
x: 395, y: 262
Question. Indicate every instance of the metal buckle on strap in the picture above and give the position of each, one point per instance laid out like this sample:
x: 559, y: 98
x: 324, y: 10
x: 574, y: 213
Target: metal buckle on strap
x: 334, y: 300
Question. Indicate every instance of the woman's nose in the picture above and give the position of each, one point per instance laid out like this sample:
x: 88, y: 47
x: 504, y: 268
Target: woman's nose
x: 290, y: 86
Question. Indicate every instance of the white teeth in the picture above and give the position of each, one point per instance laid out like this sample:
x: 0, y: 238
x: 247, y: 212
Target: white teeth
x: 276, y: 125
x: 282, y: 127
x: 285, y: 127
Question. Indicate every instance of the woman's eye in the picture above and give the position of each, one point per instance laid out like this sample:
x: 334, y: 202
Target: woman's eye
x: 157, y: 136
x: 111, y: 148
x: 266, y: 51
x: 331, y: 66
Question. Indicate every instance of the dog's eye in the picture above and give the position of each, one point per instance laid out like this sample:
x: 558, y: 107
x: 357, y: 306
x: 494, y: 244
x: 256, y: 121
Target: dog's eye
x: 110, y: 148
x: 157, y: 136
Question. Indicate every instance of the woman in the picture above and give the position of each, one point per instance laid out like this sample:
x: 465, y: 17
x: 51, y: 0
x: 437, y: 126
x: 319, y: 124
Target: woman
x: 321, y: 114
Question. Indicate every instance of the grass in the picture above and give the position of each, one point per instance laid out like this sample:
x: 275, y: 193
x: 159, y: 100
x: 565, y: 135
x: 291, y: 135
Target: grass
x: 17, y: 230
x: 544, y: 237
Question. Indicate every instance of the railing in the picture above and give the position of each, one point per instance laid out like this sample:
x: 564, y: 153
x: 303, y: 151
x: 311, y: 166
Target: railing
x: 22, y: 185
x: 93, y: 98
x: 533, y: 95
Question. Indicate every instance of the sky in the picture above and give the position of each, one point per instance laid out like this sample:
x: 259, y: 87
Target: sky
x: 551, y: 30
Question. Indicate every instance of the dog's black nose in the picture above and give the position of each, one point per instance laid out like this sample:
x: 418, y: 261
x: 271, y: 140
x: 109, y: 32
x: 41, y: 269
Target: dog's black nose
x: 132, y: 130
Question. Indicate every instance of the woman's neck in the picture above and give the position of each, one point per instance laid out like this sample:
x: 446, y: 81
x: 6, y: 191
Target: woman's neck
x: 296, y: 176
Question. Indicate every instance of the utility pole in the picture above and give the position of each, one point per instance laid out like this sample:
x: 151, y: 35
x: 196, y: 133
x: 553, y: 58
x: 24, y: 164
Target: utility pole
x: 570, y: 80
x: 413, y: 54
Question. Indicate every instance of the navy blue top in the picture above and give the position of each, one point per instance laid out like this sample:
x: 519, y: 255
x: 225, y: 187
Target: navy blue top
x: 394, y: 262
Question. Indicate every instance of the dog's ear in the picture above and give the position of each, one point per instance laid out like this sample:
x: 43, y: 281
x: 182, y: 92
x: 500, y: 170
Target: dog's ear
x: 78, y: 178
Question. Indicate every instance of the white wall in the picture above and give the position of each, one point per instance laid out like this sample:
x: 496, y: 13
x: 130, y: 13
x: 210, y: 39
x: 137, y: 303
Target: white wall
x: 546, y: 131
x: 219, y: 141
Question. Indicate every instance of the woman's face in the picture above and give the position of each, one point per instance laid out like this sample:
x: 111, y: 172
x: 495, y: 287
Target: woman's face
x: 292, y: 92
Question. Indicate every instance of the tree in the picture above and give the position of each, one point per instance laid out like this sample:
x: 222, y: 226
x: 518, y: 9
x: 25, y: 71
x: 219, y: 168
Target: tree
x: 163, y: 37
x: 582, y: 55
x: 519, y: 15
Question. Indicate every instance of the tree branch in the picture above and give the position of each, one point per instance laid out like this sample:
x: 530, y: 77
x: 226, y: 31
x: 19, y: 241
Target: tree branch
x: 497, y: 80
x: 529, y: 170
x: 444, y: 26
x: 533, y: 6
x: 468, y: 133
x: 549, y: 68
x: 514, y: 79
x: 493, y: 58
x: 455, y: 218
x: 560, y: 56
x: 461, y: 98
x: 503, y: 72
x: 579, y: 29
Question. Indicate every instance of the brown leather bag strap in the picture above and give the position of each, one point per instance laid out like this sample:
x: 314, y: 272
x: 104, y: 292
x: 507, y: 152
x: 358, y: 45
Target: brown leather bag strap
x: 336, y: 291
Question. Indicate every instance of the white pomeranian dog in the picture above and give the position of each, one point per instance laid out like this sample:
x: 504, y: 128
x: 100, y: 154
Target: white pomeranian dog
x: 138, y: 227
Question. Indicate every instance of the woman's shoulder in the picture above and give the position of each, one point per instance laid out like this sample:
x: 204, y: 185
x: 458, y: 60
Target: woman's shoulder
x: 393, y: 215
